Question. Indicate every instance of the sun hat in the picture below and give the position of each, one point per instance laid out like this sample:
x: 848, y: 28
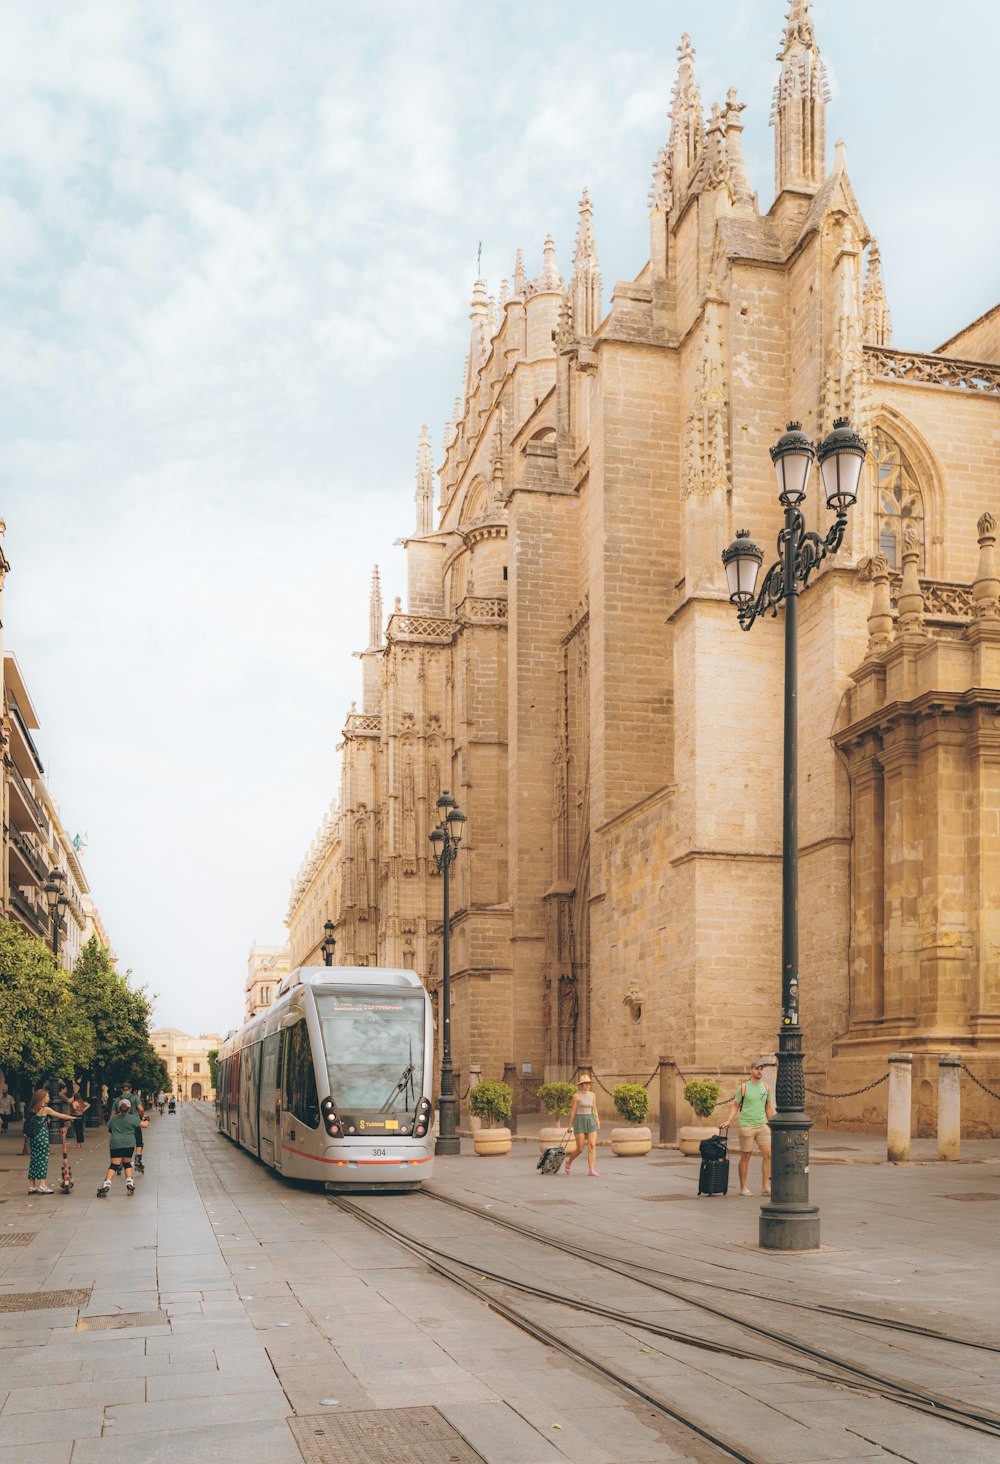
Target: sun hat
x: 584, y: 1078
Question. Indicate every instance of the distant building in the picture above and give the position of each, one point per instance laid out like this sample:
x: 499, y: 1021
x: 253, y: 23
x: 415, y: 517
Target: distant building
x: 33, y: 842
x: 315, y: 896
x: 265, y: 967
x: 187, y: 1060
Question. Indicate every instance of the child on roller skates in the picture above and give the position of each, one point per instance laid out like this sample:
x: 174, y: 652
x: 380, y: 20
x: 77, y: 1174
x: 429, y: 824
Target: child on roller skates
x: 125, y: 1127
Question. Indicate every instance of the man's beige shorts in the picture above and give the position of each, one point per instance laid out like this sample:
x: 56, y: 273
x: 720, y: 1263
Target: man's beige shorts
x: 759, y: 1133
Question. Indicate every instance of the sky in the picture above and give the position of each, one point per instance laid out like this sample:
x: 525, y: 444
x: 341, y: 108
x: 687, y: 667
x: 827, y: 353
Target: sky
x: 237, y: 247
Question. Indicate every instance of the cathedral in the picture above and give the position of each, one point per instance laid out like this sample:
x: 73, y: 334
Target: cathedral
x: 568, y: 665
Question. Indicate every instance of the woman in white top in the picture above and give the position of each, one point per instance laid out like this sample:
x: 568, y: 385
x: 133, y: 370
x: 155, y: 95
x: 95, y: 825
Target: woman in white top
x: 584, y: 1120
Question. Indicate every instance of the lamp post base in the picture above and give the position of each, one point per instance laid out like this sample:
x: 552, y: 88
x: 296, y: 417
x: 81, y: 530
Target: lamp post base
x: 788, y: 1222
x: 789, y: 1227
x: 447, y: 1141
x: 447, y: 1144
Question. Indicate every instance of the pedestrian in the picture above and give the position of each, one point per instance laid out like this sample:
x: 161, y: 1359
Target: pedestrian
x: 78, y: 1108
x: 125, y: 1127
x: 6, y: 1109
x: 136, y: 1103
x: 752, y: 1101
x: 584, y: 1120
x: 36, y: 1131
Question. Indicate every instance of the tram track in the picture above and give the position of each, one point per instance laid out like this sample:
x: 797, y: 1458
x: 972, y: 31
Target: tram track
x: 805, y: 1360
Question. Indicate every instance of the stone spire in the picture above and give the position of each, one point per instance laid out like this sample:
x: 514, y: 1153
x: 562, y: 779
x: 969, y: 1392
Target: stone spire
x: 986, y: 590
x: 375, y: 612
x: 880, y: 615
x: 799, y: 109
x: 739, y: 178
x: 585, y: 285
x: 520, y: 283
x: 479, y: 336
x: 661, y: 193
x: 843, y: 382
x: 565, y: 334
x: 717, y: 169
x: 910, y: 601
x: 877, y: 328
x: 550, y: 278
x: 425, y: 485
x: 686, y: 120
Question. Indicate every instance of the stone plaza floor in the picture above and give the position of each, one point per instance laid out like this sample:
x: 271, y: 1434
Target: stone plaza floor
x: 225, y: 1313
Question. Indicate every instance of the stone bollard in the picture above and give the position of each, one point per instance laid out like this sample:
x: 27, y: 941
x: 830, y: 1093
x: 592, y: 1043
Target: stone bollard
x: 949, y: 1106
x: 900, y: 1121
x: 668, y: 1100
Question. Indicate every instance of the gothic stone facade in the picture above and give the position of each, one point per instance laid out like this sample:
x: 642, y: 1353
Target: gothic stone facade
x: 569, y: 667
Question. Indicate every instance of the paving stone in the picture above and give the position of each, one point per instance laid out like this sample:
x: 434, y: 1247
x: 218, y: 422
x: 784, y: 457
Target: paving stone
x: 257, y: 1443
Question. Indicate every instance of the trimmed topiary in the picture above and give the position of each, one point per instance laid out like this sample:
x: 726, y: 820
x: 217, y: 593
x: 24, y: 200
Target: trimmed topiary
x: 703, y: 1096
x: 631, y: 1102
x: 556, y: 1098
x: 492, y: 1102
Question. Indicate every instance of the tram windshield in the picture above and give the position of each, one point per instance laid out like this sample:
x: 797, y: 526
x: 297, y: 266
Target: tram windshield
x: 374, y: 1049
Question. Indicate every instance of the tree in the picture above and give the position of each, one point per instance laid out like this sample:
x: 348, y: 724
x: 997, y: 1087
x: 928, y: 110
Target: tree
x: 213, y: 1067
x: 149, y: 1072
x: 119, y: 1016
x: 44, y: 1032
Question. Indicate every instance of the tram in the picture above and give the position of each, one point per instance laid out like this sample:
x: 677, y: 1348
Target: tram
x: 333, y: 1081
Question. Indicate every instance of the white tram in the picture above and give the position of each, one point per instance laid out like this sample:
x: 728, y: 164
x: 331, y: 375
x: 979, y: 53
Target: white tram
x: 333, y: 1081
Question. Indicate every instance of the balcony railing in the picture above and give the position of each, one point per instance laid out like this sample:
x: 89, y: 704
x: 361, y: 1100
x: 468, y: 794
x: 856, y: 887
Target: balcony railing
x: 29, y: 854
x: 34, y: 919
x: 18, y: 778
x: 12, y: 700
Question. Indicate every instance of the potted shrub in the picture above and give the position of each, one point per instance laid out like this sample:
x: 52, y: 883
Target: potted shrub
x: 703, y: 1096
x: 557, y: 1099
x: 491, y: 1102
x: 631, y: 1105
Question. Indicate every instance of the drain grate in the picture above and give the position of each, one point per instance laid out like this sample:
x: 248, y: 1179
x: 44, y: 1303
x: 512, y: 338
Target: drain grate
x: 122, y: 1319
x: 974, y: 1195
x: 382, y: 1436
x: 668, y: 1197
x: 17, y: 1237
x: 25, y: 1301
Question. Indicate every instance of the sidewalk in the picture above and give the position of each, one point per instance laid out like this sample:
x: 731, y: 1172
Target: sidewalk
x: 225, y: 1313
x: 826, y: 1146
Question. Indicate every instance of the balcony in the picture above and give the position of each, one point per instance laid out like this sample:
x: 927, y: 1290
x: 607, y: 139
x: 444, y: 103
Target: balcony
x: 30, y: 857
x: 36, y: 921
x: 28, y: 805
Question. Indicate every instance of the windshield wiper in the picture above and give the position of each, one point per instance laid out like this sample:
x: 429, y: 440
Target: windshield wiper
x: 404, y: 1085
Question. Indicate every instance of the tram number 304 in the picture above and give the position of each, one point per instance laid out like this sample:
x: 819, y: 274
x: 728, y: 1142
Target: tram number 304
x: 378, y: 1153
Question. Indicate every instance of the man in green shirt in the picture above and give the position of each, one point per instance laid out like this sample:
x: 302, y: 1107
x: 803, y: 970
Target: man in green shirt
x: 752, y: 1101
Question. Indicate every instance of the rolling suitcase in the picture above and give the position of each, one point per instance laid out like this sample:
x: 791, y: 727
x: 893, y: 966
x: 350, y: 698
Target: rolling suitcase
x: 713, y: 1177
x: 554, y: 1156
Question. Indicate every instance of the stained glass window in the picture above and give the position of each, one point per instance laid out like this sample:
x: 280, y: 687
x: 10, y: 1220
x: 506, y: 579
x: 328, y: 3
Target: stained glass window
x: 899, y: 501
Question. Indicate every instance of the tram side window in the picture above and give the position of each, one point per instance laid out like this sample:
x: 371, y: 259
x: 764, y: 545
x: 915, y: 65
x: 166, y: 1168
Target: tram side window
x: 301, y: 1097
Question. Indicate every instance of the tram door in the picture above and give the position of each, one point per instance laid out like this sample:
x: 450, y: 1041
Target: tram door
x: 249, y: 1073
x: 268, y: 1097
x: 299, y: 1100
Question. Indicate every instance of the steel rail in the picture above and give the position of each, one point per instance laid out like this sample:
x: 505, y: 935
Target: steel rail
x: 819, y: 1307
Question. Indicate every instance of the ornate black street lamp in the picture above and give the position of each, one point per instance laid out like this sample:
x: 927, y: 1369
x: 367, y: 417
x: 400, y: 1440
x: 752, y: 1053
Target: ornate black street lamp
x: 55, y: 895
x: 787, y: 1220
x: 446, y: 839
x: 328, y: 943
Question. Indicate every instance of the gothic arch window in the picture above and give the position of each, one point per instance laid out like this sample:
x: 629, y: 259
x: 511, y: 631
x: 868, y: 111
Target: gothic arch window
x: 898, y: 498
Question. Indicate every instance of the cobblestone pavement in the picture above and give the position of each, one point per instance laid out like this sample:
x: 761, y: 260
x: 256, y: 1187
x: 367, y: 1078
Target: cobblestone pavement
x: 223, y: 1312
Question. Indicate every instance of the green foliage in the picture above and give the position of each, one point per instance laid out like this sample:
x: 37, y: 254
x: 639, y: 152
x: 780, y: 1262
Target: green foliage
x: 703, y: 1096
x: 213, y: 1066
x: 44, y: 1034
x: 556, y: 1098
x: 631, y: 1102
x: 149, y: 1072
x: 492, y: 1102
x: 118, y: 1014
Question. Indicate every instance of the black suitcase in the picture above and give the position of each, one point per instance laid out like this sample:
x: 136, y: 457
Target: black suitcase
x: 555, y: 1156
x: 713, y: 1176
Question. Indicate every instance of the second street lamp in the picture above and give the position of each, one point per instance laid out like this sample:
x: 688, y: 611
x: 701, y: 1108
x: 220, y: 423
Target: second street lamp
x: 328, y: 943
x: 446, y: 839
x: 55, y: 895
x: 787, y: 1220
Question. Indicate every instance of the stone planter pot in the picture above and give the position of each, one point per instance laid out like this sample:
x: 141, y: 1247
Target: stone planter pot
x: 549, y: 1137
x: 689, y: 1138
x: 492, y: 1141
x: 634, y: 1140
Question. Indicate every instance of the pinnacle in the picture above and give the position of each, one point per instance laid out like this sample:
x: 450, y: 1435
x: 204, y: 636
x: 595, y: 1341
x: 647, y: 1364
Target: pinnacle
x: 550, y: 278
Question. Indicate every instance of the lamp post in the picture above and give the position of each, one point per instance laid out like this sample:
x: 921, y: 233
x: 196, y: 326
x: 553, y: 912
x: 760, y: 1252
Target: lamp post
x: 328, y: 943
x: 787, y: 1220
x: 55, y: 895
x: 446, y: 839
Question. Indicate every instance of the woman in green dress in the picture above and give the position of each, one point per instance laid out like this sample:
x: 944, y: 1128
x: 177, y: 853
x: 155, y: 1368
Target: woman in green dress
x: 37, y: 1129
x: 585, y: 1122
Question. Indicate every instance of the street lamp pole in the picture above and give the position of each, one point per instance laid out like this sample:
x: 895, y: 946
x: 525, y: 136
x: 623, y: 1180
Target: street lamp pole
x: 328, y: 943
x: 788, y: 1221
x: 446, y: 839
x: 55, y: 895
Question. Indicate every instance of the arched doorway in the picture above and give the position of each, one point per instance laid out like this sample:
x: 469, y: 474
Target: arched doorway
x: 195, y: 1092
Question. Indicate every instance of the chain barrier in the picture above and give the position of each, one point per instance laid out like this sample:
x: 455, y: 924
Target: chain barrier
x: 854, y: 1092
x: 969, y: 1073
x: 597, y: 1079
